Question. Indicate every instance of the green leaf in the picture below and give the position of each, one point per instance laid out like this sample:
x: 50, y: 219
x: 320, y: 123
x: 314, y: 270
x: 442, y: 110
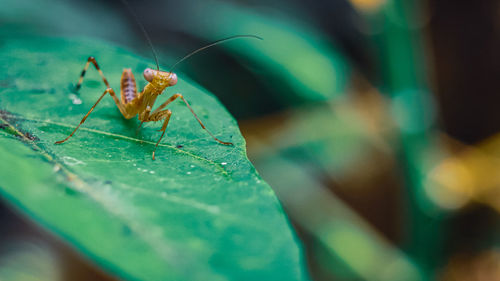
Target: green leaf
x: 199, y: 212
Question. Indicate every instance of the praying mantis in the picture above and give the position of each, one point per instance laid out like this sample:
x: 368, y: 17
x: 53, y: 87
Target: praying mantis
x: 133, y: 103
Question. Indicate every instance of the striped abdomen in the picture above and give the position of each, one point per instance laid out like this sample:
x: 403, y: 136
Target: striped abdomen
x: 128, y: 86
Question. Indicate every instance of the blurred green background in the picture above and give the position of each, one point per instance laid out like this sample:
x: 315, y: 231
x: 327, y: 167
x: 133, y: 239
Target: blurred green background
x: 375, y: 121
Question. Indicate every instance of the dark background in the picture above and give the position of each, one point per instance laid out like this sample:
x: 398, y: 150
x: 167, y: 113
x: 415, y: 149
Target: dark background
x: 456, y: 65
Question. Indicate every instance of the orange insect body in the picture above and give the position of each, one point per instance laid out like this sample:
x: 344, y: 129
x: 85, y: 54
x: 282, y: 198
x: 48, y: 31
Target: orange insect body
x: 137, y: 103
x: 133, y: 103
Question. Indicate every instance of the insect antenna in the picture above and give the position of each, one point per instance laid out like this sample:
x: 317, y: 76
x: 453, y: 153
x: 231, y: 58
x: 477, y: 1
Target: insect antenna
x: 211, y: 45
x: 143, y: 31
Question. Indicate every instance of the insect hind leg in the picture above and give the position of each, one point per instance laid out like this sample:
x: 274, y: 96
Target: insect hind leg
x: 93, y: 61
x: 174, y: 97
x: 113, y: 95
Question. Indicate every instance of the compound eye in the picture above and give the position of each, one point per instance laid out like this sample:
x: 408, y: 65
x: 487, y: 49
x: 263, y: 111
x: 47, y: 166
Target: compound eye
x: 148, y: 74
x: 172, y: 79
